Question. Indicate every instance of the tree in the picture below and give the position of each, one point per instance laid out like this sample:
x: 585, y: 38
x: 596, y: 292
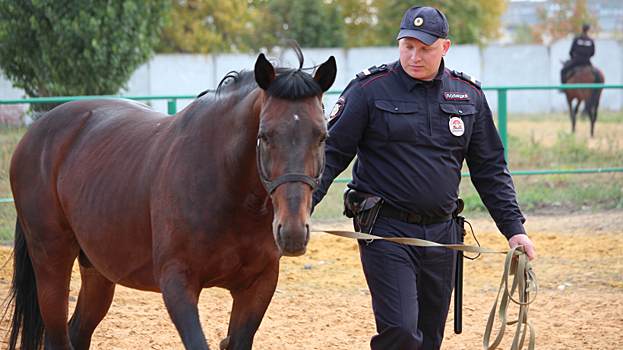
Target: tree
x: 312, y: 23
x: 68, y: 48
x: 361, y: 19
x: 209, y: 26
x: 563, y: 19
x: 470, y: 21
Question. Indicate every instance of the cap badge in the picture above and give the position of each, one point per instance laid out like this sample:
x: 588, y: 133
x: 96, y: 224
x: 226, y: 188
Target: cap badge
x: 457, y: 127
x: 418, y: 21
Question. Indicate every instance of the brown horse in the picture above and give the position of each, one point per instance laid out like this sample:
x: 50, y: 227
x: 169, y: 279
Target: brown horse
x: 169, y: 204
x: 584, y: 75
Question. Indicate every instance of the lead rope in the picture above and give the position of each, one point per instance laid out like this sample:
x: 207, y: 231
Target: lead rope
x: 516, y: 263
x: 524, y: 282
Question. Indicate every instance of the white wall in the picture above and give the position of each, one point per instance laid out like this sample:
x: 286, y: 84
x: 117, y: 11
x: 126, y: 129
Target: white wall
x: 512, y: 65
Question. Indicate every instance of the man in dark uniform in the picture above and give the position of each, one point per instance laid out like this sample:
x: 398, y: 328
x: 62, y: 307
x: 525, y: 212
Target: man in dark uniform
x: 411, y: 123
x: 582, y: 49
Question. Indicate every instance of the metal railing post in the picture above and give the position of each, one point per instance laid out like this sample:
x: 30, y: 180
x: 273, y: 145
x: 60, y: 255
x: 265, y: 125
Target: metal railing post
x: 172, y: 106
x: 502, y: 119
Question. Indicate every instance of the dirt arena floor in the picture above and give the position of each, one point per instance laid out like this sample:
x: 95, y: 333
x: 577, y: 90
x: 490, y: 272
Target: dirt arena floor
x: 327, y: 306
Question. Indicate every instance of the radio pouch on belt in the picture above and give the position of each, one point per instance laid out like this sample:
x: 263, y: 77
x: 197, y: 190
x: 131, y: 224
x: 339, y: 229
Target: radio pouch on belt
x: 363, y: 207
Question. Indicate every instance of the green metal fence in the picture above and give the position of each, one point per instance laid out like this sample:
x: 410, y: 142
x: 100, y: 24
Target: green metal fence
x: 502, y: 92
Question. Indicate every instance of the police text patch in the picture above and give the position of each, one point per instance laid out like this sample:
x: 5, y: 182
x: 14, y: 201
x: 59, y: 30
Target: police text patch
x: 456, y: 96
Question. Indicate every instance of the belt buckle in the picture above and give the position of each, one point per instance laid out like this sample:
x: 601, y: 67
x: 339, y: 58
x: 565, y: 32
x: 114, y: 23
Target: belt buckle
x: 414, y: 218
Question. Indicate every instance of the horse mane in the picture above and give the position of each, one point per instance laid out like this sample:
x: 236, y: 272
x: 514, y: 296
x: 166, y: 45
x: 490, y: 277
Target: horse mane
x: 290, y: 83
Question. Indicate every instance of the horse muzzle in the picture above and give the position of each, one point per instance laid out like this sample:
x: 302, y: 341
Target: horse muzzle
x: 292, y: 239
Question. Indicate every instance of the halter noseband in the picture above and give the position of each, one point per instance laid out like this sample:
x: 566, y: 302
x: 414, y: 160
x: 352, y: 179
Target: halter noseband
x: 271, y: 185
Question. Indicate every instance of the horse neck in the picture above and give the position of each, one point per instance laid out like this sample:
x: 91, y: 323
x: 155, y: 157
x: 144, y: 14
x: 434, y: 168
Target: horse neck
x: 226, y: 127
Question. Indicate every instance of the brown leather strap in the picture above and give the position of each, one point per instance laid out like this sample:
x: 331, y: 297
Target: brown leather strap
x: 412, y: 218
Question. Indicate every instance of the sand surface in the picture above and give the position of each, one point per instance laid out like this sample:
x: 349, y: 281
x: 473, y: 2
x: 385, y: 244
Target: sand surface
x: 579, y: 304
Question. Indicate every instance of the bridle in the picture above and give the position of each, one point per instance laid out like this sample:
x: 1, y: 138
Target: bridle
x: 271, y: 185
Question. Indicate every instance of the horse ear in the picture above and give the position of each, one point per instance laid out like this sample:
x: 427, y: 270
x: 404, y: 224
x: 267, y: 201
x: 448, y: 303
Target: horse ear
x: 325, y: 75
x: 264, y: 72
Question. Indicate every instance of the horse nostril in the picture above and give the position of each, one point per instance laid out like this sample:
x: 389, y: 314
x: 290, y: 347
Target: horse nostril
x: 278, y: 237
x: 307, y: 232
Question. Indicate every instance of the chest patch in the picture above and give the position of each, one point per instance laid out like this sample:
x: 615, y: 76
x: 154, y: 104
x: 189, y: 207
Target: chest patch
x: 456, y: 96
x: 457, y: 127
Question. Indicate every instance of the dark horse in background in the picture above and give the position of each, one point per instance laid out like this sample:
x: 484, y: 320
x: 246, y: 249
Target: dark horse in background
x: 212, y: 196
x: 585, y: 74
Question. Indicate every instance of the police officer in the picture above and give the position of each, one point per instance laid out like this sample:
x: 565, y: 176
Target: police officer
x: 411, y: 123
x: 582, y: 49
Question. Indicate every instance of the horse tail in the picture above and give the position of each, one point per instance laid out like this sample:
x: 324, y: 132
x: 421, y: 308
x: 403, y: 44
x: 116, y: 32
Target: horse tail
x: 23, y: 294
x: 593, y: 100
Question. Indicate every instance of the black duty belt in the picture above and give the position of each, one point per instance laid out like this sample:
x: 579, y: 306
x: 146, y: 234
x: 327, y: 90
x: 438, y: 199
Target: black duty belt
x: 412, y: 218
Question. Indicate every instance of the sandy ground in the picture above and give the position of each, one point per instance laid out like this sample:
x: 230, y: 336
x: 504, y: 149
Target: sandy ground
x: 327, y: 306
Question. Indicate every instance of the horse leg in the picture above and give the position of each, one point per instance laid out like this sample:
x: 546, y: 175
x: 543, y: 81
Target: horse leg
x: 570, y: 104
x: 180, y: 292
x: 52, y: 259
x: 96, y: 295
x: 573, y: 112
x: 248, y: 310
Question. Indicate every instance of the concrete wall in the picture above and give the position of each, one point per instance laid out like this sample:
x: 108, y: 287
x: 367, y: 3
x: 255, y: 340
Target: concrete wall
x: 513, y: 65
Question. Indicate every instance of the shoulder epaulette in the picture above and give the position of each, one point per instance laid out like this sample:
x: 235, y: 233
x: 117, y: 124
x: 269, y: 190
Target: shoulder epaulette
x: 370, y: 71
x: 467, y: 78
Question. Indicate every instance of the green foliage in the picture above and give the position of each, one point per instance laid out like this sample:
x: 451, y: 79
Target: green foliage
x: 470, y: 21
x: 64, y: 48
x: 210, y: 26
x: 312, y: 23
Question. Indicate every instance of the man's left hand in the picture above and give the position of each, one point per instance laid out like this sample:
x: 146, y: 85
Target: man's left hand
x: 523, y: 240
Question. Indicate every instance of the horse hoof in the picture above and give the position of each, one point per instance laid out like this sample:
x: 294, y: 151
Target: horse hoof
x: 224, y: 343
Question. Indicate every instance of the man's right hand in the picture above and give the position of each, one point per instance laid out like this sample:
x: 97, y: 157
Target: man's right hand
x: 523, y: 240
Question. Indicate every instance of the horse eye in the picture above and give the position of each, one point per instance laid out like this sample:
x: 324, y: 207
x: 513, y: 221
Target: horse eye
x: 323, y: 139
x: 264, y: 138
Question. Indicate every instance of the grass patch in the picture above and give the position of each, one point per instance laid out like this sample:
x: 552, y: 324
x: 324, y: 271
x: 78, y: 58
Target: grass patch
x: 603, y: 116
x: 9, y: 137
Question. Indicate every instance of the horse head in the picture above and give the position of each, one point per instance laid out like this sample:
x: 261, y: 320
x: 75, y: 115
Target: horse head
x: 290, y: 145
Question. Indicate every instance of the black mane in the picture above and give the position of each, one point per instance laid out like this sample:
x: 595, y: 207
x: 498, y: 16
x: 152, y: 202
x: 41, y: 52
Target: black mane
x: 290, y: 83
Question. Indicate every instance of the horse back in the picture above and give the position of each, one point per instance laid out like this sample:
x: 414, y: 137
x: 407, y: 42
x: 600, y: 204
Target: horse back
x: 82, y: 138
x: 82, y: 173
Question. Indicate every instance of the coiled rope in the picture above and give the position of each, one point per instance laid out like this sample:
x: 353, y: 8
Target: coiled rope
x: 516, y: 264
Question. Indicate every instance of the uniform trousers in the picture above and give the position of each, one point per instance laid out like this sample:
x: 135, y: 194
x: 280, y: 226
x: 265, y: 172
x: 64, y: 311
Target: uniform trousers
x: 410, y: 286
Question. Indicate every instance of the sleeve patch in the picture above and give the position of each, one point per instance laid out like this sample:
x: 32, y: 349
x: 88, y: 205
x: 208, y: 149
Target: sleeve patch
x: 337, y: 109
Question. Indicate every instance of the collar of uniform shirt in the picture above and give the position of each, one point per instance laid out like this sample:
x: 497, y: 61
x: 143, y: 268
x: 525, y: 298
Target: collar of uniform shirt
x: 411, y: 82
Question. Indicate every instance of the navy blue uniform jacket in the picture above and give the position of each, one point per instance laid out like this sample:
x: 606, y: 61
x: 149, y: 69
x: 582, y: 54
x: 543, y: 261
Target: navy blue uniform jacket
x: 398, y: 127
x: 582, y: 46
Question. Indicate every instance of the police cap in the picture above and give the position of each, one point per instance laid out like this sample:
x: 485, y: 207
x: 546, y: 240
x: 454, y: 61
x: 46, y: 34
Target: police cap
x: 425, y: 24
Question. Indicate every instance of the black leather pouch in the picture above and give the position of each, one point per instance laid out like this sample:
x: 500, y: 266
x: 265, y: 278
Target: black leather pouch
x: 363, y: 207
